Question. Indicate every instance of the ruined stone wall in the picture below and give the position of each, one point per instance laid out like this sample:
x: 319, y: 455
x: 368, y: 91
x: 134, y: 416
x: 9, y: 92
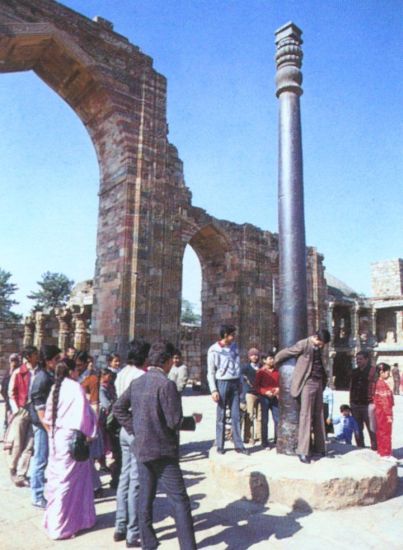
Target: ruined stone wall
x: 387, y: 278
x: 11, y: 337
x: 146, y: 217
x: 190, y: 349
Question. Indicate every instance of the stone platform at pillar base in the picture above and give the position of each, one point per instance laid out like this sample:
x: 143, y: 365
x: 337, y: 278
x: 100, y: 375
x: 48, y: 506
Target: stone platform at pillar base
x: 347, y: 476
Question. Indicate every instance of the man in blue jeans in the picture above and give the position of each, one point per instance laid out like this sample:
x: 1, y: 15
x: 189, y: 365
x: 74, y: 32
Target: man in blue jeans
x: 151, y: 409
x: 41, y: 384
x: 223, y: 375
x: 126, y: 520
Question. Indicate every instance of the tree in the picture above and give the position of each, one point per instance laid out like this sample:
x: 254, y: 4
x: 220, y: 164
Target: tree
x: 188, y: 315
x: 55, y: 291
x: 7, y: 289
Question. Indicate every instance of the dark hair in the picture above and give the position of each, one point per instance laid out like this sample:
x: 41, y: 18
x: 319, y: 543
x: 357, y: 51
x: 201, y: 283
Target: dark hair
x: 112, y: 356
x: 323, y: 334
x: 82, y: 356
x: 47, y: 352
x: 269, y: 354
x: 363, y: 353
x: 71, y: 364
x: 105, y: 370
x: 178, y: 352
x: 345, y: 408
x: 382, y: 367
x: 138, y: 351
x: 62, y: 371
x: 28, y: 351
x: 160, y: 352
x: 226, y: 330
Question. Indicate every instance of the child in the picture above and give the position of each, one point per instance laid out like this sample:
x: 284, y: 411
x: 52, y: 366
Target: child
x: 267, y: 385
x: 383, y: 401
x: 345, y: 425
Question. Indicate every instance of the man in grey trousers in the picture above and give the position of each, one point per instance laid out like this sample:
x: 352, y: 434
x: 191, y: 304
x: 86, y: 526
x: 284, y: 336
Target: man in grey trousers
x: 223, y: 375
x: 127, y: 495
x: 307, y: 384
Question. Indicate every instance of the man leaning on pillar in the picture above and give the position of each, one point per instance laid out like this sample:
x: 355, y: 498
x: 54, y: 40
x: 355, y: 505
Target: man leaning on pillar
x: 307, y: 384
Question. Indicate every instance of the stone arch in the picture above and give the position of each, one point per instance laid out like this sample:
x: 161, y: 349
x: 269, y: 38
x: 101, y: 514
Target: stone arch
x: 82, y: 61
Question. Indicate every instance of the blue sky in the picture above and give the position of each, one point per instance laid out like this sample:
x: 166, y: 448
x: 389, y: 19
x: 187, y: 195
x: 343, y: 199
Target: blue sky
x: 218, y: 57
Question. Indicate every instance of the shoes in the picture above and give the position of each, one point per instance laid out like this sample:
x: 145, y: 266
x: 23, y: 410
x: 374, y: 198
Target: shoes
x: 118, y: 536
x: 305, y: 459
x: 40, y: 503
x: 135, y: 544
x: 220, y: 451
x: 243, y: 451
x: 21, y: 482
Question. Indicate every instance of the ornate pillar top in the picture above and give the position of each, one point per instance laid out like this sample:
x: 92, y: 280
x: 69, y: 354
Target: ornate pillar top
x: 288, y: 59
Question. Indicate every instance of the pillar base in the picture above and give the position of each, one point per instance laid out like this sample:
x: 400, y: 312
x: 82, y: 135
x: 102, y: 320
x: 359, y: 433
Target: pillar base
x: 346, y: 477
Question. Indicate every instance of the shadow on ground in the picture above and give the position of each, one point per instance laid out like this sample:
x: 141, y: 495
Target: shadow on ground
x: 243, y: 525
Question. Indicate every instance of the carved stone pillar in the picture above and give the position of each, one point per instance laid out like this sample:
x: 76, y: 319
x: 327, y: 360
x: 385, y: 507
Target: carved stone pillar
x: 399, y: 327
x: 330, y: 322
x: 64, y: 318
x: 293, y: 320
x: 80, y: 331
x: 355, y: 338
x: 29, y: 331
x: 39, y: 337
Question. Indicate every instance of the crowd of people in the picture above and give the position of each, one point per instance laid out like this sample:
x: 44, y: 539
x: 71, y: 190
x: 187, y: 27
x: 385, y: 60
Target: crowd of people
x: 67, y: 422
x: 251, y: 391
x: 64, y: 418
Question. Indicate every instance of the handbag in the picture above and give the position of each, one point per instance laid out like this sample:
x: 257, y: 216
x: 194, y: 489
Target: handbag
x: 79, y: 446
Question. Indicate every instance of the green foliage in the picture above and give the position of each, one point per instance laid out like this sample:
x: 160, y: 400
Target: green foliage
x: 7, y: 289
x: 188, y: 315
x: 55, y: 289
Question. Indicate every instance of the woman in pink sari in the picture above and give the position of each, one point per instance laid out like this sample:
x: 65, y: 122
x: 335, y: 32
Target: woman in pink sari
x: 69, y: 490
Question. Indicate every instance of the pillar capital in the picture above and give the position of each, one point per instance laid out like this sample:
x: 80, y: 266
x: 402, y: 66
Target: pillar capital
x: 288, y: 59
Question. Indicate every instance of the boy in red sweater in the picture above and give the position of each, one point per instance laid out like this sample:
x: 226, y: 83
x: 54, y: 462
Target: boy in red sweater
x: 267, y: 386
x: 383, y: 401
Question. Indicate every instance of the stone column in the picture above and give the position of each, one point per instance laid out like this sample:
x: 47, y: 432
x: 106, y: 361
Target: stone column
x: 80, y: 331
x: 354, y: 336
x: 293, y: 283
x: 39, y: 329
x: 64, y: 318
x: 29, y: 331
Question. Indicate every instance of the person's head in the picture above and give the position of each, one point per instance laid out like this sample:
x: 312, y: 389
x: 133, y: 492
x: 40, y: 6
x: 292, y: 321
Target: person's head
x: 383, y: 370
x: 227, y: 334
x: 106, y: 375
x: 113, y: 362
x: 321, y: 338
x: 30, y: 354
x: 72, y: 368
x: 177, y: 358
x: 362, y: 359
x: 345, y: 410
x: 138, y: 351
x: 49, y: 356
x: 13, y: 361
x: 70, y: 352
x: 81, y: 359
x: 254, y: 355
x: 161, y: 354
x: 268, y: 360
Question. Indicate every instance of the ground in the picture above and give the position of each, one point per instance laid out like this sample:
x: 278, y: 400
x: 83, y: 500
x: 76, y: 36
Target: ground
x: 220, y: 522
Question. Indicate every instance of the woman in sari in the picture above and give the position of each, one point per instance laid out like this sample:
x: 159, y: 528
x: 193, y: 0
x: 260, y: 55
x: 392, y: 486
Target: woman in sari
x: 69, y: 490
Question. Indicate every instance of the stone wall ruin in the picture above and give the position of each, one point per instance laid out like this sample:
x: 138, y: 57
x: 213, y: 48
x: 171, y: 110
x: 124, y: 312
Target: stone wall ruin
x: 146, y: 217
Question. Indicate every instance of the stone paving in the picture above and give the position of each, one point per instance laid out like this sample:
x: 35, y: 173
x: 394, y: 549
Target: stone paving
x: 221, y: 521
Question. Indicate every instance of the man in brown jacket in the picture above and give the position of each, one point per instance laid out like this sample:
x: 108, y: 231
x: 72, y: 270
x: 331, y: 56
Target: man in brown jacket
x: 307, y: 384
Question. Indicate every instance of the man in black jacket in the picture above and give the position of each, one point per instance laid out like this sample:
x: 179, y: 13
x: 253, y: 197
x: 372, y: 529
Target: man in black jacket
x: 151, y: 409
x: 38, y: 395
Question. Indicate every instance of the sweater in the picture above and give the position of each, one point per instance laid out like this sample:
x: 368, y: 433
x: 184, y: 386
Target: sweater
x: 223, y: 363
